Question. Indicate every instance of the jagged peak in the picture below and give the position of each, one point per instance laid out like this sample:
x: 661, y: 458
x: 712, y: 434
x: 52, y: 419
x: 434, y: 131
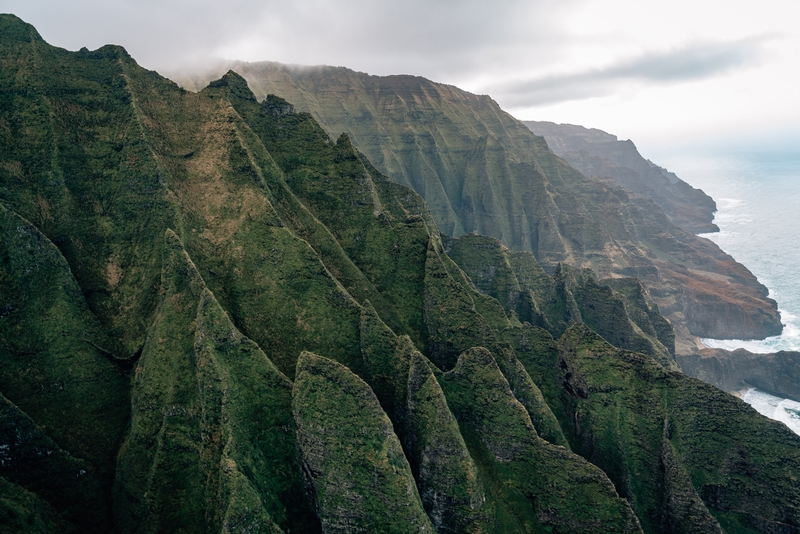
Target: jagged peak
x: 15, y: 30
x: 344, y: 141
x: 235, y: 84
x: 109, y: 51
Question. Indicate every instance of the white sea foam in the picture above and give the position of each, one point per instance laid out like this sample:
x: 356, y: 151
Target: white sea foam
x: 788, y: 340
x: 784, y: 410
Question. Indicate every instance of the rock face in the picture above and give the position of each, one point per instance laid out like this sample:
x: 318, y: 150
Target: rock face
x: 597, y: 153
x: 448, y: 477
x: 543, y: 486
x: 481, y: 171
x: 173, y: 262
x: 632, y: 422
x: 63, y: 396
x: 777, y: 373
x: 619, y: 309
x: 210, y: 424
x: 361, y: 480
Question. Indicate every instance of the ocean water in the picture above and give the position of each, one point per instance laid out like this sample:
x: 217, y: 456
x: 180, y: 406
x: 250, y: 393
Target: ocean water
x: 783, y: 410
x: 758, y: 213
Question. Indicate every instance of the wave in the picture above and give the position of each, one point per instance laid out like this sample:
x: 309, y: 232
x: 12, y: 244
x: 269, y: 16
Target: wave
x: 789, y: 339
x: 784, y: 410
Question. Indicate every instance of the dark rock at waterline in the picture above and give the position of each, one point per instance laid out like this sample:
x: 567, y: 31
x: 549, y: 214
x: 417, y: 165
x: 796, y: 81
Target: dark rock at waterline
x: 776, y: 373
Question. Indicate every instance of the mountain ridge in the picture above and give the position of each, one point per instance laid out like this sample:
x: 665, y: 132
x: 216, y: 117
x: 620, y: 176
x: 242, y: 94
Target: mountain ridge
x: 597, y: 153
x: 214, y: 249
x: 480, y: 170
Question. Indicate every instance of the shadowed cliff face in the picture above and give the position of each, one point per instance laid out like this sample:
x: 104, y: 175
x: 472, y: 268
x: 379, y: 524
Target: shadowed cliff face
x: 481, y: 171
x: 169, y: 256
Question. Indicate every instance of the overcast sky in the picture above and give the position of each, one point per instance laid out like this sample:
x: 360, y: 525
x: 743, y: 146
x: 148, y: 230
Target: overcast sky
x: 655, y: 72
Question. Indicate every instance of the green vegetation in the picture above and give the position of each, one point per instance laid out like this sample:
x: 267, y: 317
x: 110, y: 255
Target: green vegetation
x: 531, y: 484
x: 171, y: 264
x: 481, y: 171
x: 361, y: 479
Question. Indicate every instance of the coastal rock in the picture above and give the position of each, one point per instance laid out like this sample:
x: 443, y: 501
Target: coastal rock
x: 776, y: 373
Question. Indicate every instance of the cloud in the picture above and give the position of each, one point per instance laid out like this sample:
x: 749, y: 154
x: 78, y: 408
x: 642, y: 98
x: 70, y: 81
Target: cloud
x: 435, y: 38
x: 696, y: 61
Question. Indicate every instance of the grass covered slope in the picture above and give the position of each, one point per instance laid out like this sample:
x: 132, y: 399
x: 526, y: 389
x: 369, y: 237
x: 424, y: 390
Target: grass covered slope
x: 532, y: 485
x: 670, y: 442
x: 211, y: 444
x: 170, y: 317
x: 65, y: 397
x: 361, y: 479
x: 482, y: 171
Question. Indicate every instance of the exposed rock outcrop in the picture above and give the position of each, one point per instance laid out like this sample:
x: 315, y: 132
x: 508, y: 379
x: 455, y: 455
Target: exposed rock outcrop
x: 776, y: 373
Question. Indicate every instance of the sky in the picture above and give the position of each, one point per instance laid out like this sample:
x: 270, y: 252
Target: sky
x: 659, y: 73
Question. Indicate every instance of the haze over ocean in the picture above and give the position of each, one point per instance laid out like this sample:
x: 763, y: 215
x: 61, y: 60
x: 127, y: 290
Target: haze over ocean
x: 757, y: 191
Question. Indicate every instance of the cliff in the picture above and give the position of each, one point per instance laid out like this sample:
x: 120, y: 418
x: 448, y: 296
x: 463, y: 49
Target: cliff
x: 777, y: 373
x: 597, y: 153
x: 215, y: 317
x: 482, y: 171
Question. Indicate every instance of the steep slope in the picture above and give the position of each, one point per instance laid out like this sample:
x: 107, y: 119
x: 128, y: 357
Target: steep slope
x: 597, y: 153
x: 260, y: 240
x: 63, y: 397
x: 664, y: 435
x: 482, y: 171
x: 340, y: 424
x: 624, y: 316
x: 211, y: 444
x: 777, y: 373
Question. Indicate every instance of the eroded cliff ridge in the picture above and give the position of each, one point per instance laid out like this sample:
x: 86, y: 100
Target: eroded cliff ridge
x: 482, y: 171
x: 216, y: 318
x: 597, y: 153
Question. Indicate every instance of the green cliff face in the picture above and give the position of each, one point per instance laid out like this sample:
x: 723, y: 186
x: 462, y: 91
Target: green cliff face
x: 639, y: 423
x: 619, y: 309
x: 23, y: 511
x: 171, y: 265
x: 481, y: 171
x: 211, y: 443
x: 360, y: 477
x: 448, y: 477
x: 532, y: 485
x: 55, y: 374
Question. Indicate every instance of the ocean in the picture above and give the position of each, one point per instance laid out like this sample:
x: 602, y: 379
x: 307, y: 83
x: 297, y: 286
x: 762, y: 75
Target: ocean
x: 758, y: 212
